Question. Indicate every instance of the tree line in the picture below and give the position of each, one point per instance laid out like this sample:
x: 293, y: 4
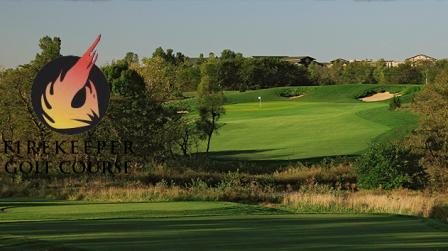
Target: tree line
x: 378, y: 72
x: 138, y: 111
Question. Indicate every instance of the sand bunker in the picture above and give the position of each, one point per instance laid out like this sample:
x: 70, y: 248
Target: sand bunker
x: 296, y: 96
x: 185, y: 112
x: 378, y: 97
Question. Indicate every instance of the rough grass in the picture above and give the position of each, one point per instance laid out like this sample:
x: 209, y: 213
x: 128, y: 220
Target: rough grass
x: 318, y: 198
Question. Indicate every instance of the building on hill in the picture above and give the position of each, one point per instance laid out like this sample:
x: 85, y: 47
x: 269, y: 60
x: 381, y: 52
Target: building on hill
x: 303, y: 60
x: 392, y: 63
x: 343, y: 61
x: 279, y: 57
x: 323, y: 63
x: 420, y: 57
x: 414, y: 60
x: 359, y: 61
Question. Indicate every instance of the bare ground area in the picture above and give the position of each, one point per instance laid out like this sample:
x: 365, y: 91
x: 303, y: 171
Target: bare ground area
x: 296, y: 96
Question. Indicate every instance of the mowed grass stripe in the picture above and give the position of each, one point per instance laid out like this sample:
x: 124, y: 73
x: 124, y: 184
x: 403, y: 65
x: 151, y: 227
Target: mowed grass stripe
x: 401, y: 122
x: 256, y: 232
x: 38, y: 212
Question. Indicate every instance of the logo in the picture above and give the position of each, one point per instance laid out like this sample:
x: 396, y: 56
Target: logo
x: 70, y: 94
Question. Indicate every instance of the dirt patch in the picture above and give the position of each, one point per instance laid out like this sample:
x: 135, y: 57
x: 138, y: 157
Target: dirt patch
x: 378, y: 97
x: 296, y: 96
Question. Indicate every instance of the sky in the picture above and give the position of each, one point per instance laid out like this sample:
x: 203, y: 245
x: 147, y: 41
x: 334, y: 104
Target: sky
x: 325, y: 30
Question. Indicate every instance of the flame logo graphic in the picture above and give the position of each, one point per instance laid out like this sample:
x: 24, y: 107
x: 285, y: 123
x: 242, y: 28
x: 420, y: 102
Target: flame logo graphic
x: 58, y: 106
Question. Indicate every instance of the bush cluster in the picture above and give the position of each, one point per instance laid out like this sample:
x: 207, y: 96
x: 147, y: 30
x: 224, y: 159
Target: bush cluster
x: 390, y: 166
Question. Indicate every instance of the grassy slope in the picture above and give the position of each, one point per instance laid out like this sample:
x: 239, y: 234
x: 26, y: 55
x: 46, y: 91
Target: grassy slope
x: 244, y: 228
x: 303, y: 131
x: 333, y: 94
x: 326, y: 122
x: 400, y: 122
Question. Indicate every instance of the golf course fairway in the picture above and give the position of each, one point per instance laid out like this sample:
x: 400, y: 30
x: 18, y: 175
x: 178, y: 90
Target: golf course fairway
x: 327, y: 121
x: 144, y: 226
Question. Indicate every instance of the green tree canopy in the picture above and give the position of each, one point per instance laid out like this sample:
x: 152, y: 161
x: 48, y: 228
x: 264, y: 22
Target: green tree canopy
x: 211, y: 100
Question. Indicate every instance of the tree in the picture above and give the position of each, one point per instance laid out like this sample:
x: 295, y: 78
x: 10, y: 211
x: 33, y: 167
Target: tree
x: 2, y: 70
x: 319, y: 75
x: 51, y: 49
x: 435, y: 69
x: 168, y: 56
x: 18, y: 121
x: 335, y: 71
x: 134, y: 115
x: 122, y: 80
x: 359, y: 73
x: 164, y: 80
x: 159, y: 52
x: 403, y: 74
x: 432, y: 105
x: 182, y: 132
x: 211, y: 100
x: 227, y: 54
x: 378, y: 72
x: 131, y: 58
x: 228, y: 66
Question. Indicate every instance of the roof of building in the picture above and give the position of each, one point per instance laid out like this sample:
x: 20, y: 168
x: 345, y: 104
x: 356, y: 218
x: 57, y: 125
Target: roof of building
x: 299, y: 57
x: 340, y: 59
x: 421, y: 55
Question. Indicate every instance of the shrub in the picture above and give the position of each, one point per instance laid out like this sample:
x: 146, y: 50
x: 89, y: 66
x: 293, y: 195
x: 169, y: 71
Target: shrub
x: 394, y: 103
x: 290, y: 92
x: 390, y: 166
x: 243, y: 88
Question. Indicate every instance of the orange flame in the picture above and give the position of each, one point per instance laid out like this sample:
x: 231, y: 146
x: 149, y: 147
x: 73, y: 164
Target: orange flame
x: 58, y: 96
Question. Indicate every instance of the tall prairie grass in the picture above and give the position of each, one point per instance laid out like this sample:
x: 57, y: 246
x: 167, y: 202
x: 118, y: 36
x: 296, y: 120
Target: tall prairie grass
x: 399, y: 201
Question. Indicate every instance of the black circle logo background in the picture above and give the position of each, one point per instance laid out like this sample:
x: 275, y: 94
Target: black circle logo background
x: 50, y: 72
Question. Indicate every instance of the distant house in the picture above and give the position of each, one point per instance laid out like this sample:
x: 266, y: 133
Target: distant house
x: 392, y: 63
x: 420, y: 57
x: 303, y: 60
x: 279, y: 57
x: 343, y: 61
x: 359, y: 61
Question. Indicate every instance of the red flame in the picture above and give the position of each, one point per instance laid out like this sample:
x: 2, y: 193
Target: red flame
x: 59, y: 95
